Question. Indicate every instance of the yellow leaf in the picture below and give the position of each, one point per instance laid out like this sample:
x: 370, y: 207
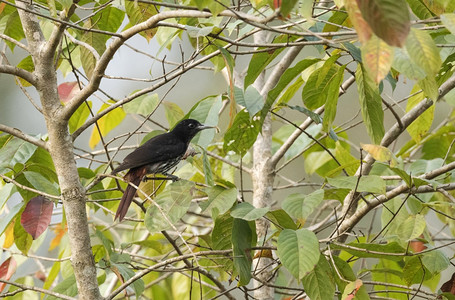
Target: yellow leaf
x: 359, y: 23
x: 380, y: 153
x: 422, y: 124
x: 377, y: 57
x: 106, y: 123
x: 9, y: 235
x: 59, y: 234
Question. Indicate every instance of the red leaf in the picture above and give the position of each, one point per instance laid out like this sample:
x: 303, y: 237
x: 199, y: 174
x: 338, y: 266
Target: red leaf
x: 389, y: 19
x: 37, y: 216
x: 67, y: 90
x: 7, y: 270
x: 449, y: 286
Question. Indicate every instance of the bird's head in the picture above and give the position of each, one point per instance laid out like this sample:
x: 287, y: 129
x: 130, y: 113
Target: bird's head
x: 188, y: 128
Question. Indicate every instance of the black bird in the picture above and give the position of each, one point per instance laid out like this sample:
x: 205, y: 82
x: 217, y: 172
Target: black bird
x: 158, y: 155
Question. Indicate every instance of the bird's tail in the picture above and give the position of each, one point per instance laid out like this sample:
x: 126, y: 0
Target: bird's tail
x: 127, y: 198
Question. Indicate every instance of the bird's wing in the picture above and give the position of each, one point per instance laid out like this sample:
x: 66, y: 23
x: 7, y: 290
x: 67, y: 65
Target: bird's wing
x: 158, y: 148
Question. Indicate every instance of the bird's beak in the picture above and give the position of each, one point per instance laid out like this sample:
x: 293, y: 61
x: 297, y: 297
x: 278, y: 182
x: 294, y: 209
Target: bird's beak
x: 202, y: 127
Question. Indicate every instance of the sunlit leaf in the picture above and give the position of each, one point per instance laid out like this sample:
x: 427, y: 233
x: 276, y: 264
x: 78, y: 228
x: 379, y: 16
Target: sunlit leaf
x: 36, y: 216
x: 298, y: 251
x: 173, y: 113
x: 9, y: 235
x: 351, y: 290
x: 367, y: 183
x: 22, y: 238
x: 142, y: 105
x: 380, y: 153
x: 26, y: 64
x: 403, y: 63
x: 422, y: 123
x: 106, y: 123
x: 449, y: 21
x: 79, y: 117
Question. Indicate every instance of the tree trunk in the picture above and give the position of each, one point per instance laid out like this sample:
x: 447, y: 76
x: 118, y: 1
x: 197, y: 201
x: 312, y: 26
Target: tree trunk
x: 61, y: 150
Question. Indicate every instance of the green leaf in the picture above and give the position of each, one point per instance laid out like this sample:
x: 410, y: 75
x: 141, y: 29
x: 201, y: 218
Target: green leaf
x: 367, y: 183
x: 242, y: 241
x: 173, y: 113
x: 6, y: 220
x: 251, y: 99
x: 435, y: 261
x: 420, y: 126
x: 380, y: 250
x: 281, y: 218
x: 261, y: 60
x: 220, y: 200
x: 106, y: 123
x: 109, y: 19
x: 413, y: 271
x: 79, y: 117
x: 207, y: 169
x: 66, y: 287
x: 319, y: 284
x: 222, y: 232
x: 287, y: 77
x: 248, y: 212
x: 174, y: 202
x: 449, y: 21
x: 403, y: 64
x: 316, y: 89
x: 205, y: 111
x: 41, y: 183
x: 371, y: 106
x: 28, y: 65
x: 298, y: 251
x: 377, y: 57
x: 332, y: 100
x: 412, y: 227
x: 142, y: 105
x: 423, y: 51
x: 287, y: 7
x: 139, y: 12
x: 242, y: 134
x: 13, y: 29
x: 138, y: 285
x: 16, y: 151
x: 419, y: 8
x: 301, y: 206
x: 5, y: 193
x: 389, y: 19
x: 22, y: 238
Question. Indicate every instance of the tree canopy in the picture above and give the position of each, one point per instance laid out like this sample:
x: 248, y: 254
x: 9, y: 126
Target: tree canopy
x: 331, y: 175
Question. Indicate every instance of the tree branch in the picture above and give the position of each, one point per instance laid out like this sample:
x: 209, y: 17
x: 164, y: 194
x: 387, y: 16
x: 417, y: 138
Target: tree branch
x: 26, y: 75
x: 37, y: 289
x: 23, y: 136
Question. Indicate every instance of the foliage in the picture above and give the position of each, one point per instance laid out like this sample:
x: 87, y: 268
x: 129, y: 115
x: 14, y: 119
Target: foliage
x: 373, y: 215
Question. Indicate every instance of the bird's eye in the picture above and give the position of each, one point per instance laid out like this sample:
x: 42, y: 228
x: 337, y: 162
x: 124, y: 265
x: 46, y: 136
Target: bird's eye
x: 191, y: 125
